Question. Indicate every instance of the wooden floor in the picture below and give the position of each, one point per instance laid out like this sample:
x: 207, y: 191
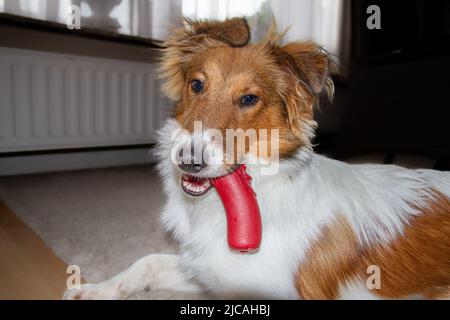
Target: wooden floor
x: 28, y: 268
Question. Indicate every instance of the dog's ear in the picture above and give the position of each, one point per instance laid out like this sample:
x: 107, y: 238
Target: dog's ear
x: 309, y: 63
x: 309, y: 68
x: 196, y: 37
x: 234, y: 32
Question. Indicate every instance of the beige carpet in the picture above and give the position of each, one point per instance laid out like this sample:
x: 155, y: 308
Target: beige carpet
x: 103, y: 220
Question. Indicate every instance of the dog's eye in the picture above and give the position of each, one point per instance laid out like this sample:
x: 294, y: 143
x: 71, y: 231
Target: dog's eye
x: 249, y: 100
x: 197, y: 85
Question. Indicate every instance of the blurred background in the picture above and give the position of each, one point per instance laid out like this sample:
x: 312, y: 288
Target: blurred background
x: 89, y: 97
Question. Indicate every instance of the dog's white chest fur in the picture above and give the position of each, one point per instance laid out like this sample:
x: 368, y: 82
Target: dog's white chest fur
x: 202, y: 233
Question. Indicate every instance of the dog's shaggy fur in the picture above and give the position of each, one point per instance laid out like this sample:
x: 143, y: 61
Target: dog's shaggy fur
x: 325, y: 223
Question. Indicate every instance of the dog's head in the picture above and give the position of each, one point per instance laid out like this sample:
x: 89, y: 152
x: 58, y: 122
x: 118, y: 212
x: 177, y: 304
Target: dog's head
x: 217, y: 77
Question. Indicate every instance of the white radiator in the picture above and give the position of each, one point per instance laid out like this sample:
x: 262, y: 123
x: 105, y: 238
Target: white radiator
x: 55, y: 101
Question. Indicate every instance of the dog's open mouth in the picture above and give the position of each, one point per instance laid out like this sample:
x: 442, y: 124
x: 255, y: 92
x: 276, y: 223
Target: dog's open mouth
x: 195, y: 186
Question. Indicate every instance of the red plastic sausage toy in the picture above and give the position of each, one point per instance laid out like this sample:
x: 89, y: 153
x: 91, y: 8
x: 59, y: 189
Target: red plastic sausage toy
x: 242, y: 211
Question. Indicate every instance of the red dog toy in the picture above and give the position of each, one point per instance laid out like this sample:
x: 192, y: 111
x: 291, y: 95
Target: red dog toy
x: 241, y: 208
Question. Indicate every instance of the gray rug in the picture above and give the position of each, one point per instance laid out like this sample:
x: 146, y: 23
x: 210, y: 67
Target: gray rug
x: 102, y: 220
x: 105, y: 219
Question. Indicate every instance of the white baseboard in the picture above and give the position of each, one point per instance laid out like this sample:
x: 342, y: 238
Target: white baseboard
x: 28, y: 164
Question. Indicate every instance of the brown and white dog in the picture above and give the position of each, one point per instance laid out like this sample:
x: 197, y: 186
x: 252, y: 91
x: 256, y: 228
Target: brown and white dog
x: 326, y: 224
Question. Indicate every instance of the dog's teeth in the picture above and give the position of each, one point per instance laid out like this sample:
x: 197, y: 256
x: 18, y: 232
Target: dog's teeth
x: 195, y: 185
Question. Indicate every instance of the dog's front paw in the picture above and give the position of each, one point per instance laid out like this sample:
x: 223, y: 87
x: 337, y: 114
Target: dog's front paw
x: 102, y: 291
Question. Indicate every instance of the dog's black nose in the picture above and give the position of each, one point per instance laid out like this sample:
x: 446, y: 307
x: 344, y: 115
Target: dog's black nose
x: 191, y: 167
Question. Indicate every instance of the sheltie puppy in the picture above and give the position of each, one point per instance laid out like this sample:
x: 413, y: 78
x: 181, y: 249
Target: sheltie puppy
x: 330, y: 230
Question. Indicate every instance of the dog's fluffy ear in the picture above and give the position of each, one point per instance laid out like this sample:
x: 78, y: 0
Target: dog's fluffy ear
x: 309, y: 68
x: 234, y: 32
x: 195, y: 37
x: 309, y: 63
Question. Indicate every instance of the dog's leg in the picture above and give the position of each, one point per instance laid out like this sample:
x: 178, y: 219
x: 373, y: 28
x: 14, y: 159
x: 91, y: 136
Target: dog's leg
x: 153, y: 272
